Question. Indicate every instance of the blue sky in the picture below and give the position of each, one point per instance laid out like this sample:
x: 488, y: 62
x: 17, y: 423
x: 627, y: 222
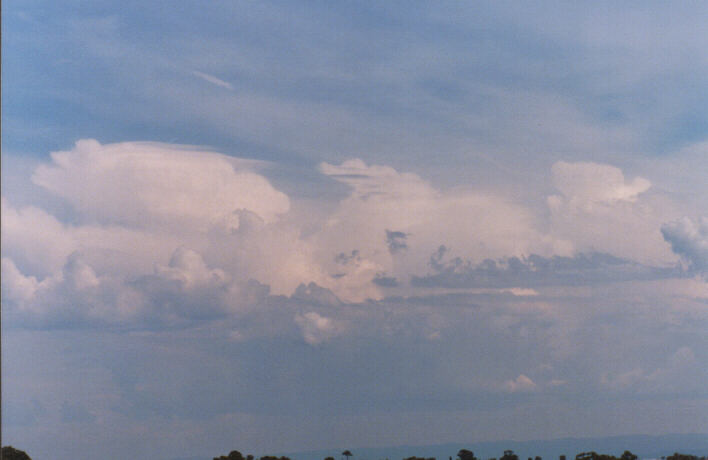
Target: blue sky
x: 280, y: 226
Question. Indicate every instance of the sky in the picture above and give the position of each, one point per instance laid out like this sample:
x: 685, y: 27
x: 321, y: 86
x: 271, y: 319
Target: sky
x: 282, y: 226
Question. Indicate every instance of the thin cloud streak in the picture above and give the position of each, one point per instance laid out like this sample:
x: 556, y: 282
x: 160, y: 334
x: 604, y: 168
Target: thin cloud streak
x: 212, y: 79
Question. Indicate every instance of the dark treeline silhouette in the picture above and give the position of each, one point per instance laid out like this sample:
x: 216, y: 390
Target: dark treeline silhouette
x: 465, y: 454
x: 10, y: 453
x: 678, y: 456
x: 236, y: 455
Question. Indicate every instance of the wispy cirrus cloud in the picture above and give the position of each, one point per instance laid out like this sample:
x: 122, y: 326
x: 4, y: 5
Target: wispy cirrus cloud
x: 213, y: 80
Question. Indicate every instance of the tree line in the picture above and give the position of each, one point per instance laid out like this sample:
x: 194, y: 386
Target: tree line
x: 10, y: 453
x: 465, y: 454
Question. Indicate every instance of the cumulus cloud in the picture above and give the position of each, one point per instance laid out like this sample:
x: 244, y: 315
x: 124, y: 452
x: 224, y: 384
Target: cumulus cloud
x: 189, y: 269
x: 395, y: 219
x: 75, y: 296
x: 598, y: 209
x: 521, y: 384
x: 16, y: 287
x: 169, y: 235
x: 317, y: 328
x: 35, y: 239
x: 689, y: 239
x: 314, y: 294
x: 149, y: 183
x: 586, y: 184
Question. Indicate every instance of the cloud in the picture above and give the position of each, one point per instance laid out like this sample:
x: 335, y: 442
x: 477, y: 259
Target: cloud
x: 520, y: 384
x: 75, y: 296
x: 35, y: 239
x: 610, y: 84
x: 599, y: 210
x: 212, y: 79
x: 689, y: 239
x: 144, y: 184
x: 187, y: 267
x: 15, y: 286
x: 680, y: 364
x: 396, y: 241
x: 588, y: 184
x: 314, y: 294
x: 384, y: 281
x: 394, y: 219
x: 316, y: 328
x: 534, y: 270
x: 171, y: 234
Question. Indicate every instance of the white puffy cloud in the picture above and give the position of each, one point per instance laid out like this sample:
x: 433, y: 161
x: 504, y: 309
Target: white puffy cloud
x: 73, y: 296
x: 39, y: 244
x: 588, y: 184
x: 385, y: 202
x: 16, y: 287
x: 317, y: 328
x: 178, y: 232
x: 35, y: 239
x: 520, y: 384
x: 689, y: 239
x: 145, y: 184
x: 599, y: 210
x: 188, y: 268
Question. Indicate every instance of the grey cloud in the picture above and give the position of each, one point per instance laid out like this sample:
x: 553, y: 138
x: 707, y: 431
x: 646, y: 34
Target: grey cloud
x: 435, y: 354
x: 343, y: 258
x: 396, y: 241
x: 385, y: 281
x: 316, y: 294
x: 182, y: 294
x: 535, y: 270
x: 689, y: 239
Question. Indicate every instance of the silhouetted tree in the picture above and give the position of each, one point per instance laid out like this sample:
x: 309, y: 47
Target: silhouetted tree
x: 627, y: 455
x: 594, y: 456
x: 10, y: 453
x: 465, y: 454
x: 233, y: 455
x: 419, y: 458
x: 562, y: 457
x: 329, y: 458
x: 509, y: 455
x: 347, y: 453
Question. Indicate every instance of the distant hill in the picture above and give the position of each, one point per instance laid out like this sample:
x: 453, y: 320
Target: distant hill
x: 644, y: 446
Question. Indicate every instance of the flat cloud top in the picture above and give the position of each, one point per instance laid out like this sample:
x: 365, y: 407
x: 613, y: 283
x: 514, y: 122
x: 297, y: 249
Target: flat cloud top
x: 148, y: 182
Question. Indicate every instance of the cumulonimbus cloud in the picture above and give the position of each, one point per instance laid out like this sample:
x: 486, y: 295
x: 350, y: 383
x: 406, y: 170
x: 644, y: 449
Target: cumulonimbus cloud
x: 160, y: 228
x: 150, y: 183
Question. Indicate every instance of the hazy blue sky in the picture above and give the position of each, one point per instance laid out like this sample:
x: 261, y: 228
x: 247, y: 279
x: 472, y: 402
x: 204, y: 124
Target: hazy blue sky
x: 279, y: 226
